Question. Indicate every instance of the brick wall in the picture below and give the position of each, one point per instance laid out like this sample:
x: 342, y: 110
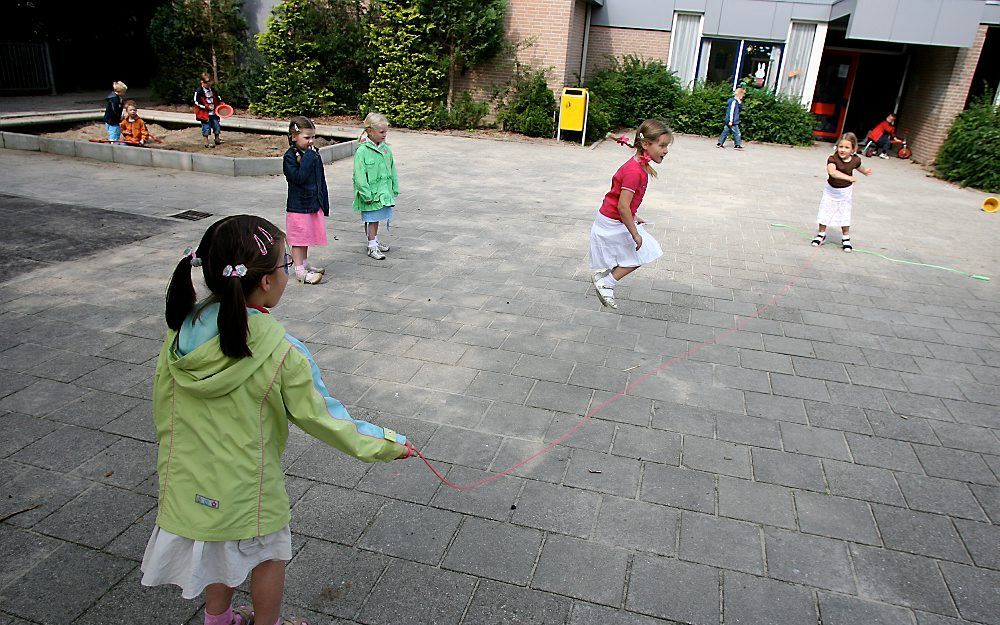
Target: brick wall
x: 608, y: 41
x: 936, y: 89
x: 554, y: 25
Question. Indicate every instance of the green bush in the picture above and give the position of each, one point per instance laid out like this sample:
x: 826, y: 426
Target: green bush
x: 634, y: 89
x: 598, y: 119
x: 774, y: 118
x: 702, y: 110
x: 243, y: 88
x: 408, y: 81
x: 970, y: 155
x: 465, y: 113
x: 527, y: 105
x: 189, y: 37
x: 312, y: 62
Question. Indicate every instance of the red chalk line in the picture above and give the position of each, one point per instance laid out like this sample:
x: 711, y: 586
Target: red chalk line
x: 712, y: 341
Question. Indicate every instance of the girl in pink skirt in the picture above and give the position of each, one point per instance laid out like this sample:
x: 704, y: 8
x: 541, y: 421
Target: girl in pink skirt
x: 308, y: 202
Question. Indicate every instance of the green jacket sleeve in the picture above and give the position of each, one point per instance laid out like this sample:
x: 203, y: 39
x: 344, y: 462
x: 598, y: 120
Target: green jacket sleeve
x: 393, y: 176
x: 311, y: 408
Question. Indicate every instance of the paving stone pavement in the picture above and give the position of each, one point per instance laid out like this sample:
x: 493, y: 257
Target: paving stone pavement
x: 835, y: 460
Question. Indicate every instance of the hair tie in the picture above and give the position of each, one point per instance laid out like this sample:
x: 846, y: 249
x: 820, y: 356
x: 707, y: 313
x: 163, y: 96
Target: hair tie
x: 640, y: 136
x: 193, y: 254
x: 645, y: 158
x: 239, y: 271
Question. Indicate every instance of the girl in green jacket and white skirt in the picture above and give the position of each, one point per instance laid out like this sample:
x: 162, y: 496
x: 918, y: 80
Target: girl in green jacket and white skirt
x: 375, y: 182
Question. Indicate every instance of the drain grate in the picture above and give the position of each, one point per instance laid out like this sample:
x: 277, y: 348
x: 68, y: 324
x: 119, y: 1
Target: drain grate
x: 191, y: 215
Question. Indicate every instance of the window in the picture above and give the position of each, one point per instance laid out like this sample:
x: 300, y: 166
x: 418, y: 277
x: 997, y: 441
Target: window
x: 732, y: 60
x: 684, y: 46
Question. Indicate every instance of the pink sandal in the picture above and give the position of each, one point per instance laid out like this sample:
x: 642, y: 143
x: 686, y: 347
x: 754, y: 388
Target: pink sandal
x: 245, y: 613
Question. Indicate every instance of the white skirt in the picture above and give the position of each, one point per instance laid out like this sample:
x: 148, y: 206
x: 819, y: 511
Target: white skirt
x: 835, y: 206
x: 612, y: 246
x: 194, y: 564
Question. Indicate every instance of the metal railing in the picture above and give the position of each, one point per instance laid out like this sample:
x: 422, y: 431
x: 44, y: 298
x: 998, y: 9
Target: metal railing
x: 25, y: 67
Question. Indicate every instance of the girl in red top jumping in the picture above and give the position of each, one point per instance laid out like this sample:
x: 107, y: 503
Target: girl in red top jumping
x: 618, y: 242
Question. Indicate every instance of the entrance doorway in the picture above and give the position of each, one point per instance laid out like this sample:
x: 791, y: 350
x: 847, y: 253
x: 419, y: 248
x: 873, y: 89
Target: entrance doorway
x: 834, y: 86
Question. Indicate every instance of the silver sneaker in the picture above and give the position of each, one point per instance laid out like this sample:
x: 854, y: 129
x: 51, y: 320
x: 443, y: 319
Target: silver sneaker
x: 382, y: 247
x: 605, y: 293
x: 374, y: 252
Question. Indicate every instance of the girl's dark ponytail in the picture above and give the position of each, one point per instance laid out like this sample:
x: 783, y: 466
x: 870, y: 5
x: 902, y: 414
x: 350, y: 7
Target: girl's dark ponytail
x: 181, y: 297
x: 233, y: 324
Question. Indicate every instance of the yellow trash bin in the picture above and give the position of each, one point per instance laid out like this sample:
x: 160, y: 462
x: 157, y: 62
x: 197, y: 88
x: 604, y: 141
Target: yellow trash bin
x: 573, y: 108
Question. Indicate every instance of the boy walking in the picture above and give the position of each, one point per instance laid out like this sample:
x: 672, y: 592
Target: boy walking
x: 732, y: 123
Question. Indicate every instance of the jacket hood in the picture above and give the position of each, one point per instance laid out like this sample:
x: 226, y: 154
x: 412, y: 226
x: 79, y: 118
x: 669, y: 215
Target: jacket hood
x: 196, y: 362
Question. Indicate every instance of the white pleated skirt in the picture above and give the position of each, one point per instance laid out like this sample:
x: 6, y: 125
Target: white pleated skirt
x: 194, y: 564
x: 835, y: 206
x: 611, y: 245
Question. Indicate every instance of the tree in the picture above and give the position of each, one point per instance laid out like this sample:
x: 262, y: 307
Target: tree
x: 407, y: 83
x: 313, y: 60
x: 468, y: 32
x: 192, y: 36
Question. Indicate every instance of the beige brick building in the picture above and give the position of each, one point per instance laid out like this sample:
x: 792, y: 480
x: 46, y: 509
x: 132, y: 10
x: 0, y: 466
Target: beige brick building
x: 850, y: 61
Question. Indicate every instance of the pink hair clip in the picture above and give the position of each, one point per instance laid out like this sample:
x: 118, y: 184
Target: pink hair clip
x: 239, y: 271
x: 645, y: 158
x: 622, y: 140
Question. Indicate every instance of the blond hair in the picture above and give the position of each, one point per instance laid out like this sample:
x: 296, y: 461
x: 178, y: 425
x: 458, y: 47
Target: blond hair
x: 374, y: 120
x: 118, y: 85
x: 740, y: 91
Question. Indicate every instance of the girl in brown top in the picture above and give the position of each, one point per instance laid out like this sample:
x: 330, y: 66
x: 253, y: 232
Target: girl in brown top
x: 835, y: 205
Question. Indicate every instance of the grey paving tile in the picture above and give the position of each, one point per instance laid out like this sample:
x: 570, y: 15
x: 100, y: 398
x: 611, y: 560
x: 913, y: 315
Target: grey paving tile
x: 748, y: 430
x: 576, y: 351
x: 602, y: 378
x: 581, y: 569
x: 989, y: 499
x: 808, y: 560
x: 859, y: 396
x: 974, y: 414
x: 932, y: 494
x: 561, y: 397
x: 130, y: 601
x: 116, y: 377
x: 126, y: 463
x: 450, y: 409
x: 776, y: 408
x: 883, y: 452
x: 444, y: 596
x: 66, y: 366
x: 11, y: 383
x: 75, y: 576
x: 335, y: 514
x: 463, y: 447
x: 621, y: 408
x: 493, y: 500
x: 839, y: 353
x: 842, y: 610
x: 749, y: 599
x: 514, y: 420
x: 531, y: 459
x: 647, y: 444
x: 572, y: 430
x: 20, y: 550
x: 556, y: 509
x: 391, y: 368
x: 679, y: 488
x: 899, y: 427
x: 684, y: 419
x: 716, y: 456
x: 837, y: 417
x: 321, y: 463
x: 756, y: 502
x: 976, y: 592
x: 604, y: 473
x: 40, y: 398
x: 672, y: 589
x: 95, y: 409
x: 21, y: 431
x: 901, y: 579
x: 64, y: 449
x: 983, y: 542
x: 933, y: 386
x: 912, y: 405
x: 494, y: 550
x: 836, y: 517
x: 955, y: 464
x: 632, y: 524
x: 500, y: 387
x: 792, y: 347
x: 967, y: 437
x: 499, y: 603
x: 786, y: 469
x: 720, y: 542
x: 920, y: 533
x: 814, y: 441
x: 587, y: 613
x: 765, y: 361
x: 409, y: 531
x: 96, y: 516
x: 862, y: 482
x: 819, y: 369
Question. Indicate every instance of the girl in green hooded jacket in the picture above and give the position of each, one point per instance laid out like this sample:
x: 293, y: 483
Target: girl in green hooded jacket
x: 375, y: 182
x: 228, y: 381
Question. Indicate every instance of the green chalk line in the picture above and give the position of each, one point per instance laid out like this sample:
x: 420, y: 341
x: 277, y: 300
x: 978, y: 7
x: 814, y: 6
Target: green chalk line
x: 974, y: 276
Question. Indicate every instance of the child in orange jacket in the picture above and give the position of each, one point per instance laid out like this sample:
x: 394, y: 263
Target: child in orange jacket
x: 133, y: 128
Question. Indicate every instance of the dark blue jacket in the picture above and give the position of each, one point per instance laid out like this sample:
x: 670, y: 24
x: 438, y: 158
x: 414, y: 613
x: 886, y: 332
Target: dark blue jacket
x: 733, y: 107
x: 307, y: 191
x: 113, y: 111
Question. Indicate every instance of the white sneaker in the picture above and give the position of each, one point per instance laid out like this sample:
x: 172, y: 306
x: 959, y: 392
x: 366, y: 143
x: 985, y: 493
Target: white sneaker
x: 605, y: 293
x: 313, y: 268
x: 885, y: 156
x: 382, y: 247
x: 374, y: 252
